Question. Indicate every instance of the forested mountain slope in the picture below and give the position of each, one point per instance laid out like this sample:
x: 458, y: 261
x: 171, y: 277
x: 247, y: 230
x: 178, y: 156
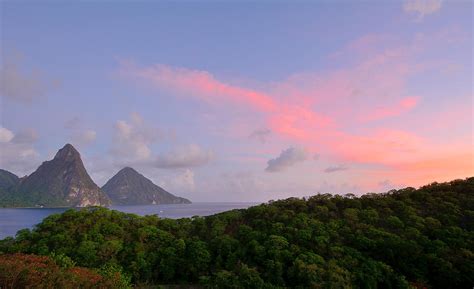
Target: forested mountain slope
x: 419, y: 238
x: 60, y: 182
x: 129, y: 187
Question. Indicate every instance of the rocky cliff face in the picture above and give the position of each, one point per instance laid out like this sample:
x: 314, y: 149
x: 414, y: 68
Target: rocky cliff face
x: 128, y: 187
x: 63, y: 181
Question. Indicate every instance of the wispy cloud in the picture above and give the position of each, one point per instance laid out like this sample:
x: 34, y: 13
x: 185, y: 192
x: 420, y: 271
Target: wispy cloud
x: 336, y: 168
x: 26, y: 136
x: 21, y: 85
x: 184, y: 157
x: 132, y: 139
x: 78, y: 134
x: 297, y: 120
x: 421, y: 8
x: 198, y: 83
x: 260, y: 134
x: 326, y: 112
x: 85, y: 137
x: 133, y: 144
x: 183, y: 181
x: 402, y: 106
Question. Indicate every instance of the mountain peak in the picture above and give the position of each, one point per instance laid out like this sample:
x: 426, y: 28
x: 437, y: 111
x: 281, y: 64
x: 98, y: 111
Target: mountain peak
x: 67, y: 152
x: 63, y: 181
x: 129, y: 187
x: 128, y: 170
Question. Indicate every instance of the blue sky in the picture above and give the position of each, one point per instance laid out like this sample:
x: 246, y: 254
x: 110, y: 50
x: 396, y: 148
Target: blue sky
x: 202, y: 96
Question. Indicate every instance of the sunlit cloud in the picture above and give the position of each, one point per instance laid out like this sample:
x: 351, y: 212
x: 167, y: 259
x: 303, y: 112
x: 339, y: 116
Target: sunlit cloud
x: 198, y: 83
x: 399, y: 108
x: 356, y: 114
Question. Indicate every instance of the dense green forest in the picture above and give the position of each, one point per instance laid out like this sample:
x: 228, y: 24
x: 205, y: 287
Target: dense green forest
x: 409, y: 238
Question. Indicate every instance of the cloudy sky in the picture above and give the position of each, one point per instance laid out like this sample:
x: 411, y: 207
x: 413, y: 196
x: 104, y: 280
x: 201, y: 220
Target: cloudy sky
x: 242, y: 101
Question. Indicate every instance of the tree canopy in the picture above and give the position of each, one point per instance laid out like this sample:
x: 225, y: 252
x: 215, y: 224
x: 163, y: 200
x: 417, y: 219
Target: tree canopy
x: 408, y: 238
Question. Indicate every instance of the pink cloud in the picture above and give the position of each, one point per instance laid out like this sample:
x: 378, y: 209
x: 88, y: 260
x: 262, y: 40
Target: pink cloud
x: 401, y: 107
x: 382, y: 146
x: 297, y: 121
x: 200, y: 83
x: 433, y: 167
x: 290, y: 118
x: 327, y: 112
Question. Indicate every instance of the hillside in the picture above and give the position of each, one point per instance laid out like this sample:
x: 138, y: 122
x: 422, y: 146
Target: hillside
x: 129, y: 187
x: 418, y: 238
x: 60, y: 182
x: 8, y: 180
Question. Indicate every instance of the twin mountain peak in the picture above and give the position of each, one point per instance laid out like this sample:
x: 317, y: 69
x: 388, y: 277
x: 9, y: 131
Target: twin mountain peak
x: 64, y: 182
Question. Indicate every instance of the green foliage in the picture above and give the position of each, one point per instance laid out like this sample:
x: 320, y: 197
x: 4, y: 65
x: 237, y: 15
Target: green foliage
x: 62, y: 260
x: 114, y: 272
x: 401, y: 239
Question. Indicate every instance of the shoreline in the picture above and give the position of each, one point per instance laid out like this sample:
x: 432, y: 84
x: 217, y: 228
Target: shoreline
x: 132, y: 205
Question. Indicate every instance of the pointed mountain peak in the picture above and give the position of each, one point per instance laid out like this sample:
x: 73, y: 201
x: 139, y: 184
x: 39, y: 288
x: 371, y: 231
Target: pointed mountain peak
x: 129, y: 187
x: 67, y: 152
x: 63, y: 181
x: 128, y: 170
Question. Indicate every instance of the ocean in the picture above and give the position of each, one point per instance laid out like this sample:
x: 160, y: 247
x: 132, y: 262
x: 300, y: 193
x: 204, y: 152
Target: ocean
x: 14, y: 219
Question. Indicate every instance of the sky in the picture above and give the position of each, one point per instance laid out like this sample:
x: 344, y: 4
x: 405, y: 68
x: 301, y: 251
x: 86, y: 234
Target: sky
x: 242, y: 100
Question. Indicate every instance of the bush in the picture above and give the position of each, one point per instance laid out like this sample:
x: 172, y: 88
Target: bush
x: 19, y: 271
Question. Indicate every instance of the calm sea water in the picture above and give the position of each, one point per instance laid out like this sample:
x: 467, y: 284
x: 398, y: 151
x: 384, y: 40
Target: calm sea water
x: 14, y: 219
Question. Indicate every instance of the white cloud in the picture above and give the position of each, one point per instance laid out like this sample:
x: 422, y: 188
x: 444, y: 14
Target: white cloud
x: 422, y: 7
x: 182, y: 182
x: 26, y: 136
x: 17, y: 153
x: 286, y: 159
x: 184, y: 157
x: 20, y: 85
x: 5, y: 135
x: 130, y: 142
x: 133, y: 138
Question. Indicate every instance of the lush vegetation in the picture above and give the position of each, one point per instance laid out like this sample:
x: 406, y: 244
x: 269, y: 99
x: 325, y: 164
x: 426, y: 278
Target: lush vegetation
x: 420, y: 238
x: 31, y: 271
